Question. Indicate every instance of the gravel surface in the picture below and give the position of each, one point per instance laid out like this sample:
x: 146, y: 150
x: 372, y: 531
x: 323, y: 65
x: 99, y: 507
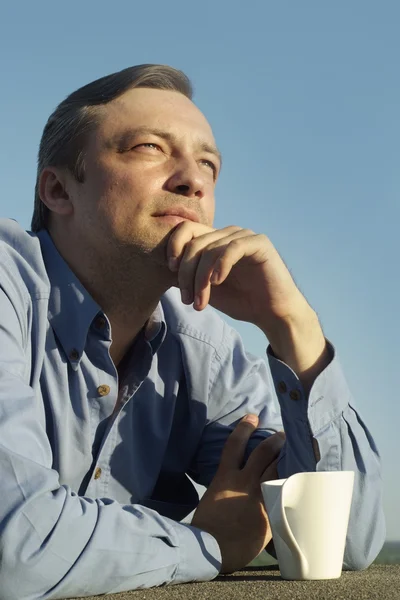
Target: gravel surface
x: 379, y: 582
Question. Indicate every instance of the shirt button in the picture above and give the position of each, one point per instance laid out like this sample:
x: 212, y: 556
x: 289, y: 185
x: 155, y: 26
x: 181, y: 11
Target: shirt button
x: 97, y: 473
x: 74, y: 354
x: 103, y: 390
x: 294, y: 394
x: 282, y: 387
x: 100, y: 323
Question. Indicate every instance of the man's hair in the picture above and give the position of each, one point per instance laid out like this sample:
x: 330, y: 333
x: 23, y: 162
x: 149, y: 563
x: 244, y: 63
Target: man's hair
x: 65, y: 133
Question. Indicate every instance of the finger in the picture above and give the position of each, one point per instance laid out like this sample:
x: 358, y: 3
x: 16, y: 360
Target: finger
x: 234, y: 252
x: 271, y: 472
x: 207, y: 265
x: 189, y: 259
x: 181, y: 235
x: 235, y: 446
x: 265, y: 454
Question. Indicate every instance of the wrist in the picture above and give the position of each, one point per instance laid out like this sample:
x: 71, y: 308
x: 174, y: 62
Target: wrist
x: 300, y: 343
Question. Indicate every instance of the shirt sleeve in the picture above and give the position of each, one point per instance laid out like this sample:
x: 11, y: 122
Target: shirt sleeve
x: 243, y: 384
x: 54, y: 543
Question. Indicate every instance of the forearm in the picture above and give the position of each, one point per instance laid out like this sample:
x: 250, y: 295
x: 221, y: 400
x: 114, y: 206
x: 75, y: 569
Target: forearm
x: 59, y: 545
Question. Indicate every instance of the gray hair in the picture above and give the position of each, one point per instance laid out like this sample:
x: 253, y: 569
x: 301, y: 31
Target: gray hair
x: 65, y: 133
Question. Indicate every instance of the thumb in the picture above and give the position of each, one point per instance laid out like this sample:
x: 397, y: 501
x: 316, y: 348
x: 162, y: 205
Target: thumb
x: 235, y: 446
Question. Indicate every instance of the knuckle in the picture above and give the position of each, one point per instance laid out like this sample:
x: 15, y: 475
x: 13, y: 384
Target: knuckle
x: 177, y: 242
x: 262, y: 238
x: 232, y: 228
x: 211, y: 255
x: 208, y: 252
x: 276, y: 438
x: 215, y: 245
x: 274, y: 442
x: 234, y: 244
x: 193, y: 246
x: 184, y: 226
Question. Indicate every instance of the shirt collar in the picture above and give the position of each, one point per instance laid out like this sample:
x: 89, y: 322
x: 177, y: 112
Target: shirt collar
x: 72, y: 309
x: 156, y: 329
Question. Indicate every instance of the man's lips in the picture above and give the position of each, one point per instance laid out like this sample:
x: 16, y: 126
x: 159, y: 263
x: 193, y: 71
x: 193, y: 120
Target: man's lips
x: 178, y: 214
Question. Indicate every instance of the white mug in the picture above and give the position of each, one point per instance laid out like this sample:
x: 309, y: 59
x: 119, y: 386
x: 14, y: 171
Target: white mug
x: 309, y: 515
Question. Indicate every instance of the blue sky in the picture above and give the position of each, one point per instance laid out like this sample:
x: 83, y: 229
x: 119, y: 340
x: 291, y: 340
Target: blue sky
x: 304, y: 101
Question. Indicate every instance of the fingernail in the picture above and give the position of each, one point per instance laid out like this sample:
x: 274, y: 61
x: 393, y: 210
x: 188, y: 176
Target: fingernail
x: 253, y: 419
x: 197, y: 301
x: 186, y: 296
x: 173, y: 263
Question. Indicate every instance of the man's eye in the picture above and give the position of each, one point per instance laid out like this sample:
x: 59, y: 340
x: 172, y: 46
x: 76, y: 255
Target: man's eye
x: 148, y: 145
x: 209, y: 164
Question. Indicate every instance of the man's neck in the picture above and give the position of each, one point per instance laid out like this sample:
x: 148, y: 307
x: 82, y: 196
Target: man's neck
x: 126, y: 324
x: 128, y: 303
x: 127, y: 288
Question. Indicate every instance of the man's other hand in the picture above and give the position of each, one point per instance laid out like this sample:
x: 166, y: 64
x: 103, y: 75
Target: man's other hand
x: 232, y: 508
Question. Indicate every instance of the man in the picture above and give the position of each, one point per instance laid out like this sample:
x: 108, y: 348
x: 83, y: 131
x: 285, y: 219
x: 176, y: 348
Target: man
x: 118, y: 380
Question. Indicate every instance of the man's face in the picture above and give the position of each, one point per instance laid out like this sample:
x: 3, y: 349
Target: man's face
x: 151, y: 155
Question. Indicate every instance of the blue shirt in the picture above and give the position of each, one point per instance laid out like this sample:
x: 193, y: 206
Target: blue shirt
x: 93, y: 470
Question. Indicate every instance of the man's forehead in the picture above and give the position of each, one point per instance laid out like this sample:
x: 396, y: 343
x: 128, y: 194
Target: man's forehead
x: 141, y: 107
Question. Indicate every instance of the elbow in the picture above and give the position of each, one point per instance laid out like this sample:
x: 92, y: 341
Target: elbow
x: 14, y: 584
x: 358, y: 556
x: 22, y: 579
x: 357, y: 563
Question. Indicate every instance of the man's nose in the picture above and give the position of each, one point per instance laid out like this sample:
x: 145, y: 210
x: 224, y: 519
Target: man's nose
x: 187, y: 180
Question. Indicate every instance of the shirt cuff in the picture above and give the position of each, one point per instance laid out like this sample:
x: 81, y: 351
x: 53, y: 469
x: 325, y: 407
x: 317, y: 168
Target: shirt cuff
x: 328, y: 397
x: 200, y: 556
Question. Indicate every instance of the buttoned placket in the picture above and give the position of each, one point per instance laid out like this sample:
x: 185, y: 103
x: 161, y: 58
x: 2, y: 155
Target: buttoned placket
x: 99, y: 481
x: 102, y: 402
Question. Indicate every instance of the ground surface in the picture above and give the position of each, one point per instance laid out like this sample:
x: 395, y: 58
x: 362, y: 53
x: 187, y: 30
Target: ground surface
x: 379, y: 582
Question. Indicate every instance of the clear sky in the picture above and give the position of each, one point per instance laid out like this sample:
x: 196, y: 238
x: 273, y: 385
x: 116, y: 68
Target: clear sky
x: 304, y: 101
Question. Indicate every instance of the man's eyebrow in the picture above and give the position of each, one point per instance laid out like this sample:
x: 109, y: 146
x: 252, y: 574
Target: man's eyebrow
x: 211, y: 149
x: 131, y: 133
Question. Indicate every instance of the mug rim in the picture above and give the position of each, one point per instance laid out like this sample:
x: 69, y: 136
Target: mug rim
x: 277, y: 482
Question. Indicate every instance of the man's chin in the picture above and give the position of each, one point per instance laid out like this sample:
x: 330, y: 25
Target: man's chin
x: 155, y: 249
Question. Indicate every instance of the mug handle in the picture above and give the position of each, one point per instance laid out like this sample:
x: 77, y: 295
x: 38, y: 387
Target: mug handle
x: 287, y: 534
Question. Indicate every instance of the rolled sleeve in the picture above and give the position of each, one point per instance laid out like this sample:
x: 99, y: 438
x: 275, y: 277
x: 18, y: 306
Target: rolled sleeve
x: 327, y: 399
x: 329, y: 416
x: 200, y: 555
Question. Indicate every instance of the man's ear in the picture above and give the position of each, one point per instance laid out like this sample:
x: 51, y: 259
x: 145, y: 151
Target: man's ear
x: 53, y: 191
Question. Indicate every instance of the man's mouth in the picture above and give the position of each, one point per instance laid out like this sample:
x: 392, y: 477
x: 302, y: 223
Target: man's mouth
x: 177, y: 215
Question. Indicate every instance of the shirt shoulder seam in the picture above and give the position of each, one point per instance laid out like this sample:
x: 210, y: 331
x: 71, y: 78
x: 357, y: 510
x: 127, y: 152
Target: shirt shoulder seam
x: 189, y: 331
